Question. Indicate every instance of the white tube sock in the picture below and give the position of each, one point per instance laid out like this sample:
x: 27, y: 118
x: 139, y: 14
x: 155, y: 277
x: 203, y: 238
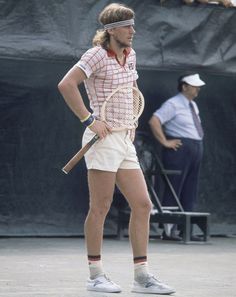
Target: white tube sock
x: 140, y: 271
x: 95, y: 269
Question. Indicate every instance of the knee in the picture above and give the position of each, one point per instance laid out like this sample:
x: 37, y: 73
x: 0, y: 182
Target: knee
x: 143, y: 207
x: 100, y: 209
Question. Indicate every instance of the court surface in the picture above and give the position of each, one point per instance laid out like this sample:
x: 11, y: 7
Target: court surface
x: 57, y: 267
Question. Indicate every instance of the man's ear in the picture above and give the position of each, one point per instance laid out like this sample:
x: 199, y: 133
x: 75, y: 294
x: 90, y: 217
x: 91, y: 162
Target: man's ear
x: 110, y: 31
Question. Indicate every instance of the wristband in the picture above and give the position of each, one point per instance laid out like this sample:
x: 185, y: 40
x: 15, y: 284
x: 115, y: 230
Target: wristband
x: 89, y: 121
x: 85, y: 119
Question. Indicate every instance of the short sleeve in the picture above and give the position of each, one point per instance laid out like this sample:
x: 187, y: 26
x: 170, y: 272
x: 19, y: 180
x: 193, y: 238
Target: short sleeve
x: 91, y: 61
x: 166, y: 112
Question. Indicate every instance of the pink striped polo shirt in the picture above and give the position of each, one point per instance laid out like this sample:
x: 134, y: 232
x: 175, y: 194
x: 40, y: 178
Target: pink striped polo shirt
x: 105, y: 74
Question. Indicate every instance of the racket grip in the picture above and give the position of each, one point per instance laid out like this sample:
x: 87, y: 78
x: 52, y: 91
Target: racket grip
x: 78, y: 156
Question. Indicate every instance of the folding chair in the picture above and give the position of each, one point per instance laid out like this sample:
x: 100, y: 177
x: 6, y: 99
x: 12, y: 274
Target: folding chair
x: 151, y: 166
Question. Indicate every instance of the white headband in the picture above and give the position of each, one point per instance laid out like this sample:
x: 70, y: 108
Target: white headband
x: 129, y: 22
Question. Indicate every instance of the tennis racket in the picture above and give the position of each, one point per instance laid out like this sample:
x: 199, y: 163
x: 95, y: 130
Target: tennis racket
x: 121, y: 111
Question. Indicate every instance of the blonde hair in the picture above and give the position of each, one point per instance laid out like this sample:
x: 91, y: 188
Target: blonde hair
x: 112, y: 13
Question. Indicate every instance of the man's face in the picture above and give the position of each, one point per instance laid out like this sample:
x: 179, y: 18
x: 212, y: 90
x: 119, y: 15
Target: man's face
x: 191, y: 92
x: 123, y: 36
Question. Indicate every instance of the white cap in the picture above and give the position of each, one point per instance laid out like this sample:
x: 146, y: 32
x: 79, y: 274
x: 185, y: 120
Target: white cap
x: 193, y: 80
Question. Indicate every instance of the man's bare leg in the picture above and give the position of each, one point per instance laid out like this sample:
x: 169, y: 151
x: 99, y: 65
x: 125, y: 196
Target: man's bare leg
x: 132, y: 185
x: 101, y: 188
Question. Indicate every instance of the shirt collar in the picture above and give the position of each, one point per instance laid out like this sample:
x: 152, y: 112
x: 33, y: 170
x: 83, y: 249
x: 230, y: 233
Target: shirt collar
x: 185, y: 100
x: 111, y: 53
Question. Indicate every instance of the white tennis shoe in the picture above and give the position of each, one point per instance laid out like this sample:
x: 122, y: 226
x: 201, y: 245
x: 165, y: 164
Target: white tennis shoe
x: 151, y: 285
x: 102, y: 284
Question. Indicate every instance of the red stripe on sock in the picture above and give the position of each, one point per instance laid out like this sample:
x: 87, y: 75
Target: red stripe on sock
x: 140, y: 259
x: 94, y: 258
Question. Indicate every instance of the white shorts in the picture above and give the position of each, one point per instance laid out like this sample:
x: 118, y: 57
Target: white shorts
x: 115, y: 151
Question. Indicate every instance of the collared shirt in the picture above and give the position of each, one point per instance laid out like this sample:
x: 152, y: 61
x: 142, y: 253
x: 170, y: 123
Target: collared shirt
x: 176, y: 117
x: 105, y: 74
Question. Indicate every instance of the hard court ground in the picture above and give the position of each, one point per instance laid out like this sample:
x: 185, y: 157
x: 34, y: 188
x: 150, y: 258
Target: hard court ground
x: 57, y: 267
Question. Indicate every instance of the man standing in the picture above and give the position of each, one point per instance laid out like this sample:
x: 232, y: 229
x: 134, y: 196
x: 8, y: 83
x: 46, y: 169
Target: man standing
x: 177, y: 126
x: 112, y: 160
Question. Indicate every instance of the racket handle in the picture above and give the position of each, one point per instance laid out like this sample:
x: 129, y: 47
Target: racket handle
x: 78, y: 156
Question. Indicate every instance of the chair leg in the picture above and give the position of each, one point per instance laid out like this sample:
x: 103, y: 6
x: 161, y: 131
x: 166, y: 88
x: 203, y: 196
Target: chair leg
x: 187, y: 229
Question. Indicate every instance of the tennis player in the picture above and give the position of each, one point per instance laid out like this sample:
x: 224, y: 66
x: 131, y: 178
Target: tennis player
x: 110, y: 63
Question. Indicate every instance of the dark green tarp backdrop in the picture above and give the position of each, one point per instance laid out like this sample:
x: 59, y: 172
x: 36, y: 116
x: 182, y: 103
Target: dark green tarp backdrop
x: 41, y: 40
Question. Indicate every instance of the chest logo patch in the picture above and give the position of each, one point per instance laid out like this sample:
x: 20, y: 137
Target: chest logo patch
x: 131, y: 66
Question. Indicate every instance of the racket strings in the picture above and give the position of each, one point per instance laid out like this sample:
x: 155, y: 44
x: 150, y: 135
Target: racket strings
x: 123, y: 108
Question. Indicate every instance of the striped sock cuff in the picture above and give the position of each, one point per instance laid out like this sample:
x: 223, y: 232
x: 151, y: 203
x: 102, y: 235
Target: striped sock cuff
x: 92, y: 258
x: 140, y: 259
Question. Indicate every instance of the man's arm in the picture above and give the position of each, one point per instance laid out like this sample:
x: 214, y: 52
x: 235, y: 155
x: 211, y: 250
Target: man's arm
x: 226, y: 3
x: 68, y: 87
x: 158, y: 133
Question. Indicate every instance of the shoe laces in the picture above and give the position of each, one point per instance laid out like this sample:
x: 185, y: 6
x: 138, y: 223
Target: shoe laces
x: 152, y: 280
x: 107, y: 278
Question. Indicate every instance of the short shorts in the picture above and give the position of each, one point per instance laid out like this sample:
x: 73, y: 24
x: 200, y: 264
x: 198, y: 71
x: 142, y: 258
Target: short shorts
x: 115, y: 151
